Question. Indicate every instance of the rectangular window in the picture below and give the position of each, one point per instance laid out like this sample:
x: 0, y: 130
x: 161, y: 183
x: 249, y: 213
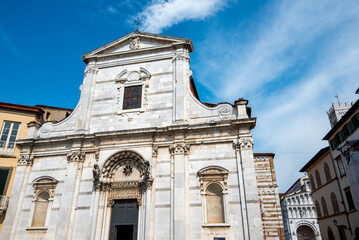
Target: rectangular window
x: 3, y: 179
x: 341, y: 166
x: 132, y: 97
x: 348, y: 195
x: 8, y: 134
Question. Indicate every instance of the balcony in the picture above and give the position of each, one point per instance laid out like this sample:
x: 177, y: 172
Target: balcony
x: 4, y: 201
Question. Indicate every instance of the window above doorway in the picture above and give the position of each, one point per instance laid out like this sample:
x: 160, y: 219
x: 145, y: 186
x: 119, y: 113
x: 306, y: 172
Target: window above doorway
x: 132, y: 91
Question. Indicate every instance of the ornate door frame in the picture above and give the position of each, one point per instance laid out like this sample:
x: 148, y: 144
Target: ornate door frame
x: 107, y: 191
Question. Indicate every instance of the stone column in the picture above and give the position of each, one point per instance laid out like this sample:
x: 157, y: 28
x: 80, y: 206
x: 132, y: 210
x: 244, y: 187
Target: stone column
x: 68, y: 195
x: 240, y: 146
x: 180, y: 82
x: 18, y: 191
x: 95, y: 211
x: 152, y: 198
x: 178, y: 154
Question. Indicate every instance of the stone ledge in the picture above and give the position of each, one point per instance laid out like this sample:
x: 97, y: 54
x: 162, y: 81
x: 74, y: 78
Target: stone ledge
x: 216, y: 225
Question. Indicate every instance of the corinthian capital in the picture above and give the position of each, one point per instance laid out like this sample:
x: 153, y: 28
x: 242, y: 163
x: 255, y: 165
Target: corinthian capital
x: 77, y: 156
x: 25, y: 160
x: 245, y: 143
x: 179, y: 148
x: 92, y: 70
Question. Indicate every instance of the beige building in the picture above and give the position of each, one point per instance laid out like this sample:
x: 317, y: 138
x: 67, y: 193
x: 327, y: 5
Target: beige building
x: 333, y: 187
x: 14, y: 121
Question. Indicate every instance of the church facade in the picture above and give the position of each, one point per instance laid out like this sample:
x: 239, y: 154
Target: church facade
x: 141, y: 157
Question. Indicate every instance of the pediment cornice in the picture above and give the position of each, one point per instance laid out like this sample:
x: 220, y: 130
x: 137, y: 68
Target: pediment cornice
x: 133, y: 41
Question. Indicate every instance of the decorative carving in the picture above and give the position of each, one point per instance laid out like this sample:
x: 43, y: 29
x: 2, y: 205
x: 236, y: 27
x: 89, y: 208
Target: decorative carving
x: 155, y: 151
x: 91, y: 70
x: 125, y: 190
x: 133, y: 76
x: 134, y: 42
x: 25, y: 160
x: 179, y: 148
x: 125, y: 158
x: 127, y: 171
x: 77, y: 156
x: 46, y: 127
x: 96, y: 175
x: 245, y: 143
x: 129, y: 189
x: 182, y: 56
x: 97, y: 155
x: 225, y: 110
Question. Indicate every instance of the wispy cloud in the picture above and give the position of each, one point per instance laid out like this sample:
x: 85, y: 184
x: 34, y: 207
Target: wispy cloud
x: 302, y: 55
x: 8, y: 42
x: 161, y: 14
x: 111, y: 9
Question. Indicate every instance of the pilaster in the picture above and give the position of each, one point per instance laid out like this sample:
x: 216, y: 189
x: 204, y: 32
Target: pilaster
x: 179, y: 152
x: 180, y: 82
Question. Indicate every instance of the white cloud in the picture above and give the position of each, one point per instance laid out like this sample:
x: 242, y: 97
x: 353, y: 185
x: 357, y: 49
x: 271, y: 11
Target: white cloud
x: 111, y: 9
x: 318, y: 39
x: 161, y: 14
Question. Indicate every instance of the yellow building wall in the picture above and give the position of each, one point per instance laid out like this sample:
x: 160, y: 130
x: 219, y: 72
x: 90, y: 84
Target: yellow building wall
x: 10, y: 163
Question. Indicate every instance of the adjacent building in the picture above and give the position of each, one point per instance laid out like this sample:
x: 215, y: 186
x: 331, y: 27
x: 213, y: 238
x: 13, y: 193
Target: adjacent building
x: 299, y: 214
x: 141, y: 157
x: 14, y: 121
x: 268, y: 196
x: 333, y: 175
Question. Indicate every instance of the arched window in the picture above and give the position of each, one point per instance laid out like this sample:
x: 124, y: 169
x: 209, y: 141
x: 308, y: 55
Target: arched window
x: 214, y: 203
x: 328, y: 176
x: 40, y: 210
x: 319, y: 213
x: 44, y: 190
x: 317, y: 177
x: 330, y: 234
x: 311, y: 179
x: 335, y: 204
x: 324, y: 206
x: 213, y: 181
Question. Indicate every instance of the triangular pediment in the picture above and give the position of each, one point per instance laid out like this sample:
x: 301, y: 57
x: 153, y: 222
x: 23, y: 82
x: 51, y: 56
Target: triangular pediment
x: 137, y: 42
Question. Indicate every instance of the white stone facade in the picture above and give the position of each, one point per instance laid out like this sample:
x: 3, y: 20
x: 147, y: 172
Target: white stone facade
x: 164, y: 153
x: 299, y: 212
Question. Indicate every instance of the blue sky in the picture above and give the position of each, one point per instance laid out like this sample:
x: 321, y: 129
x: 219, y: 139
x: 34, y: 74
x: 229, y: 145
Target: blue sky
x: 288, y: 58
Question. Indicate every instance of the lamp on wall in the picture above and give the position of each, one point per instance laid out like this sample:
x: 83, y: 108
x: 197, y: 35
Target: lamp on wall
x: 335, y: 222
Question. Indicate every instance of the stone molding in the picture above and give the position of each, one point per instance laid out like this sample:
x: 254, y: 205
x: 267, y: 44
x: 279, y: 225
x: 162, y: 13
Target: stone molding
x: 92, y: 70
x: 76, y: 156
x: 25, y: 160
x: 245, y: 143
x: 213, y: 174
x: 179, y: 148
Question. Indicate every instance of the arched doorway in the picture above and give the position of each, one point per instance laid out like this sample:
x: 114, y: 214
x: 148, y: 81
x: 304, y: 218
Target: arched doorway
x: 125, y: 178
x: 305, y: 233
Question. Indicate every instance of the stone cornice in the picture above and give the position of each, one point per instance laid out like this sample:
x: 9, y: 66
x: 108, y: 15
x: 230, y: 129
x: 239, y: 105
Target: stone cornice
x: 140, y: 131
x: 139, y: 51
x: 245, y: 121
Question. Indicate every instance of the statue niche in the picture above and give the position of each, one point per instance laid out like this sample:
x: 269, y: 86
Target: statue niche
x: 127, y: 176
